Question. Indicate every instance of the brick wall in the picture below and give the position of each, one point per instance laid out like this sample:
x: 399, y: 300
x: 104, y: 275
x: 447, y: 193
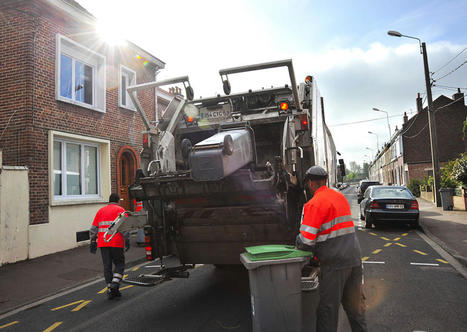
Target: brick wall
x: 448, y: 121
x: 27, y: 86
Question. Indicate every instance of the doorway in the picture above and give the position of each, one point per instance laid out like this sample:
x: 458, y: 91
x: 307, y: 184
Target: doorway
x: 127, y: 163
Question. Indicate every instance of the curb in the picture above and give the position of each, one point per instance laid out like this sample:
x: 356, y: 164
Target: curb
x: 462, y: 260
x: 5, y: 313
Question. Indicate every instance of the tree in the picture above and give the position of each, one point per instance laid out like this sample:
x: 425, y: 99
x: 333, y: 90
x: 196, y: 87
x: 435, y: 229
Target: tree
x: 365, y: 170
x: 354, y: 167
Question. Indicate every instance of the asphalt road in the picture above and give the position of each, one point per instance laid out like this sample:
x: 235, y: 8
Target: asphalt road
x: 403, y: 294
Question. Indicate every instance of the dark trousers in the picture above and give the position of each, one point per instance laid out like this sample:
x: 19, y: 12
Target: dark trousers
x: 116, y: 256
x: 341, y: 286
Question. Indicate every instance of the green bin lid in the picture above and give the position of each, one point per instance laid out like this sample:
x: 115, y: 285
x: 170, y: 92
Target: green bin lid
x: 274, y: 251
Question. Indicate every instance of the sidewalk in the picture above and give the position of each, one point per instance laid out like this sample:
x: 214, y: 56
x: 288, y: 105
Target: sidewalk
x: 32, y: 280
x: 447, y: 228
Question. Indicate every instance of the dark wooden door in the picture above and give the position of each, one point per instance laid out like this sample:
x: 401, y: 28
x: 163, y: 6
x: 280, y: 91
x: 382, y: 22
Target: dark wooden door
x: 125, y: 180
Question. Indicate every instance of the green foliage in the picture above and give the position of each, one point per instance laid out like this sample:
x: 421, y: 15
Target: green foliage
x: 447, y: 176
x: 430, y: 181
x: 414, y: 187
x: 464, y: 128
x: 459, y: 169
x: 351, y: 176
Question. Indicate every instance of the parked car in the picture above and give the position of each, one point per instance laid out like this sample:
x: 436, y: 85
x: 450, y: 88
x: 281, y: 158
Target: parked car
x: 389, y: 204
x: 362, y: 187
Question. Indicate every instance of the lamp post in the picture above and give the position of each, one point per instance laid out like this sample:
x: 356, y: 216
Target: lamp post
x: 377, y: 141
x: 431, y: 116
x: 387, y: 117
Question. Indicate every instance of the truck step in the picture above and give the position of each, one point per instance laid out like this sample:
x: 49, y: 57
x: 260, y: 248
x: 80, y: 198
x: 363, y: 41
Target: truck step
x: 144, y: 280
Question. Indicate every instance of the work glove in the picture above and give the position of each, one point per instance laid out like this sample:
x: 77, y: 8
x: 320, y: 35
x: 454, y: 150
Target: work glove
x: 93, y: 247
x: 127, y: 244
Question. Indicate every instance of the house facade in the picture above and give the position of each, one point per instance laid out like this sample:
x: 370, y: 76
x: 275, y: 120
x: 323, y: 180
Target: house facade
x: 408, y: 155
x: 66, y: 116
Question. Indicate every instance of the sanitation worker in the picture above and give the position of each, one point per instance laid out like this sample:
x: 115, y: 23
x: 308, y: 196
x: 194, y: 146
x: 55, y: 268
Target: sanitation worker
x: 327, y: 229
x: 112, y: 251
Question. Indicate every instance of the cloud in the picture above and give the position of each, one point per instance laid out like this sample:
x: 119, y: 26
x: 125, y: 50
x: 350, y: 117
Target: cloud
x: 197, y: 38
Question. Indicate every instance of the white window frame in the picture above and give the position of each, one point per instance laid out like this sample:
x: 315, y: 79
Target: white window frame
x: 126, y: 71
x: 82, y: 144
x: 96, y: 61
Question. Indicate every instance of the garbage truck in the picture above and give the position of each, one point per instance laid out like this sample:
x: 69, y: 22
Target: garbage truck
x: 223, y: 173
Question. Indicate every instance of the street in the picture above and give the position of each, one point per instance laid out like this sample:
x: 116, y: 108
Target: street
x: 408, y: 286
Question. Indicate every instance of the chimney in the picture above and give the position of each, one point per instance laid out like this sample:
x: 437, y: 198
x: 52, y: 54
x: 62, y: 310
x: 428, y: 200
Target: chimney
x: 419, y: 104
x: 406, y: 118
x: 458, y: 95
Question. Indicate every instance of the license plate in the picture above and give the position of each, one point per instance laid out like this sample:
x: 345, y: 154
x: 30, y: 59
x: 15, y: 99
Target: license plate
x: 215, y: 115
x: 394, y: 206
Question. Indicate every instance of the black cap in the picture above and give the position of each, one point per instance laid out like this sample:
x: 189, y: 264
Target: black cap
x: 316, y: 173
x: 114, y: 198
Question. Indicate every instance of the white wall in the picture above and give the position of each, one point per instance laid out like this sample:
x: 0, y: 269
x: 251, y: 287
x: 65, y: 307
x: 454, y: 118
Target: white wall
x: 14, y: 213
x: 60, y: 232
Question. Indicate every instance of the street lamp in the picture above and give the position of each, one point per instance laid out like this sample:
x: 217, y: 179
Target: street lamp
x: 431, y: 112
x: 371, y: 150
x: 377, y: 141
x: 387, y: 117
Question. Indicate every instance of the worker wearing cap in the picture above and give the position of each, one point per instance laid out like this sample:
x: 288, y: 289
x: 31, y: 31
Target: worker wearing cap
x: 328, y: 230
x: 112, y: 251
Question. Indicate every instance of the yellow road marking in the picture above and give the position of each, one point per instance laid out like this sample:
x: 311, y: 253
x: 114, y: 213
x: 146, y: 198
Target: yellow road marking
x: 377, y: 251
x: 405, y: 234
x: 124, y: 276
x: 396, y: 239
x: 384, y: 238
x: 126, y: 287
x: 66, y: 305
x: 85, y: 303
x: 442, y: 261
x: 401, y: 245
x: 388, y: 244
x: 365, y: 258
x: 53, y: 326
x: 135, y: 269
x: 9, y: 324
x: 102, y: 291
x: 373, y: 233
x: 420, y: 252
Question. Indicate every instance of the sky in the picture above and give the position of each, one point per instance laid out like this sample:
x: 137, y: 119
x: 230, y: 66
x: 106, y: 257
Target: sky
x: 343, y: 44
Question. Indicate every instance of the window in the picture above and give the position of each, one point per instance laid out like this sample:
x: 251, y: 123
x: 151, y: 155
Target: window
x: 75, y: 168
x: 80, y: 75
x: 127, y: 78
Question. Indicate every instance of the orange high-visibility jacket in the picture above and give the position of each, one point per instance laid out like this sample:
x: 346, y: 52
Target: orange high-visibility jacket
x: 104, y: 217
x: 327, y: 226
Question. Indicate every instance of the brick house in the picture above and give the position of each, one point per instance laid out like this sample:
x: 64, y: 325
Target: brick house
x: 65, y: 114
x: 410, y: 147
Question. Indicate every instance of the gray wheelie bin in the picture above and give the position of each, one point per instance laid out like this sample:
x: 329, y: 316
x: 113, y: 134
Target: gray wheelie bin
x: 275, y: 286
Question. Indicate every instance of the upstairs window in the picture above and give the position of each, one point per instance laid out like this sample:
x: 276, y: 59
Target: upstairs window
x: 127, y: 78
x: 80, y: 75
x: 76, y: 80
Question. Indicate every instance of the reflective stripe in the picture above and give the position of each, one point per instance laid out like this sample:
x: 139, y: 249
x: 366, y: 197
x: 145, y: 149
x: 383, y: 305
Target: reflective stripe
x: 116, y: 280
x: 334, y: 222
x: 104, y: 223
x: 306, y: 241
x: 118, y: 275
x: 102, y: 230
x: 336, y: 233
x: 309, y: 229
